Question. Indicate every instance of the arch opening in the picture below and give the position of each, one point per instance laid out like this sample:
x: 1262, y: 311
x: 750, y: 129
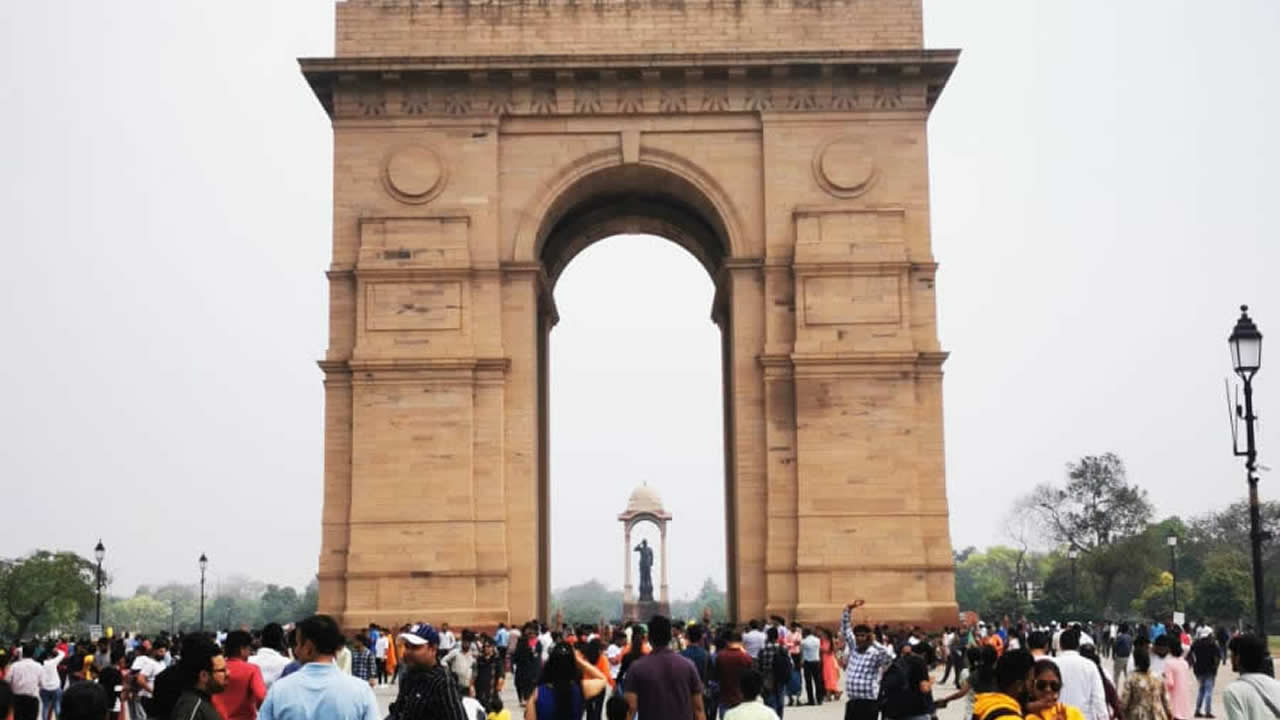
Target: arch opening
x: 634, y: 200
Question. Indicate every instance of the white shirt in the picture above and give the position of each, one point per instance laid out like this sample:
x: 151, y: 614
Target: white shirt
x: 24, y: 677
x: 751, y: 710
x: 148, y: 667
x: 811, y: 649
x: 271, y: 663
x: 610, y: 653
x: 471, y: 706
x: 753, y: 641
x: 545, y: 639
x: 447, y: 641
x: 381, y: 645
x: 49, y: 678
x: 1082, y: 685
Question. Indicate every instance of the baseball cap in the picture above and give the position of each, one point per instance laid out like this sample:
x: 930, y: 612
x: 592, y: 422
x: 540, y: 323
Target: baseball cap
x: 421, y: 634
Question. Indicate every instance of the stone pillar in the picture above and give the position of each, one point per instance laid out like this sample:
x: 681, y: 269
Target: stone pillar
x: 664, y: 597
x: 628, y: 593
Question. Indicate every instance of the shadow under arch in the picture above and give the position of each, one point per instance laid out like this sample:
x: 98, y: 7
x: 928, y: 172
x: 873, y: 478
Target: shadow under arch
x: 597, y: 198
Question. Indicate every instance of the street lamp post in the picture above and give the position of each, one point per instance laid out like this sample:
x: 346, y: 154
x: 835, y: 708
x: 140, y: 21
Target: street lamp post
x: 204, y: 565
x: 1173, y: 567
x: 99, y: 552
x: 1246, y: 358
x: 1073, y: 554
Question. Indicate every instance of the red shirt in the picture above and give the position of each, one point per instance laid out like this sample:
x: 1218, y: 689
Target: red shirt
x: 244, y: 693
x: 730, y: 664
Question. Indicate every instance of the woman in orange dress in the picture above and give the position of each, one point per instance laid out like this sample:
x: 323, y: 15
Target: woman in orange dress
x: 830, y: 669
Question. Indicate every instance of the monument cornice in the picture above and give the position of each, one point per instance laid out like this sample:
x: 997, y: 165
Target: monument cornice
x: 782, y: 82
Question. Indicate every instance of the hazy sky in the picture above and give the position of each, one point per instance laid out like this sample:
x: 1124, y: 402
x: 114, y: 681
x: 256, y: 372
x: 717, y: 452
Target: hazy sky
x: 1102, y: 182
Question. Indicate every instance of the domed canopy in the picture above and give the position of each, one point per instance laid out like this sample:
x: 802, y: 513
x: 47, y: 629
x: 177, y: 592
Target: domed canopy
x: 644, y: 499
x: 644, y: 503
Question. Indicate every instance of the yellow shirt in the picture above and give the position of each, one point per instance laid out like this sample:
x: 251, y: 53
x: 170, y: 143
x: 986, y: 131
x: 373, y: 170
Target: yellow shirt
x: 1071, y: 713
x: 504, y: 714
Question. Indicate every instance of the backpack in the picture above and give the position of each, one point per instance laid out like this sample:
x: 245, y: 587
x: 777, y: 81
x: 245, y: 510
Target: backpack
x: 1123, y: 645
x: 781, y: 669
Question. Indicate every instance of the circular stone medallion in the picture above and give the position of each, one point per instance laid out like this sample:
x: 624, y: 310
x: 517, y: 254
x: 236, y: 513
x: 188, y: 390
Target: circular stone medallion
x: 845, y: 167
x: 414, y: 174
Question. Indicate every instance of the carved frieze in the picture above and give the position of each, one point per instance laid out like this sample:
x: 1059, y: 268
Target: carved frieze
x: 350, y: 90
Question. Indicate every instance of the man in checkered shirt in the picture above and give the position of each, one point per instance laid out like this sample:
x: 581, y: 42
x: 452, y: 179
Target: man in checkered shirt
x: 867, y: 661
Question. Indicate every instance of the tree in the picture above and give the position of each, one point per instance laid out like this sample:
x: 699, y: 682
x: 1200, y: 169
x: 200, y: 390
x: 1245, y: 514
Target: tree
x: 45, y: 590
x: 1096, y: 512
x: 309, y: 603
x: 710, y: 596
x: 587, y: 602
x: 278, y: 604
x: 1223, y: 591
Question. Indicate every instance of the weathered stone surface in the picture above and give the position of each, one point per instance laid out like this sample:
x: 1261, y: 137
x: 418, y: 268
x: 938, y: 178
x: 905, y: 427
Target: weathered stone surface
x: 479, y: 147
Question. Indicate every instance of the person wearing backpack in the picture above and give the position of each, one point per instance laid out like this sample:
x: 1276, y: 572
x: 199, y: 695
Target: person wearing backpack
x: 906, y: 691
x: 1121, y: 649
x: 774, y: 664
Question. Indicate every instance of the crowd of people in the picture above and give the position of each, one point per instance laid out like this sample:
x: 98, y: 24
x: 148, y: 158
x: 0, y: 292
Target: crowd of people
x: 657, y: 670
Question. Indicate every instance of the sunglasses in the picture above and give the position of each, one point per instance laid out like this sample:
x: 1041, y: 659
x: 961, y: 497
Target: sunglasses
x: 1048, y: 685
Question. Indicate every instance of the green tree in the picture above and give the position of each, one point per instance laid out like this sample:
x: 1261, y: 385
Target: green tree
x: 142, y: 613
x: 309, y: 603
x: 1224, y: 591
x: 278, y: 604
x: 45, y: 590
x: 587, y: 602
x: 1156, y: 600
x: 709, y: 596
x: 1098, y: 511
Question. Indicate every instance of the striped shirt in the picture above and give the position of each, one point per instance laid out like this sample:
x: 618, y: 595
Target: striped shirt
x: 862, y: 675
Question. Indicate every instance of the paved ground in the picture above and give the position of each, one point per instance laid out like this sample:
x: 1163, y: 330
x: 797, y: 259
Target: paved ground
x: 830, y: 711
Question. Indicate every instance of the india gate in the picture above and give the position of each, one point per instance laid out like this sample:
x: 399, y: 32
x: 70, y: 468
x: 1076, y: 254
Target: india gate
x: 479, y: 145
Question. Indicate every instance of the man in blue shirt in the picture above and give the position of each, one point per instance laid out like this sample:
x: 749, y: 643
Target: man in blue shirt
x: 319, y: 690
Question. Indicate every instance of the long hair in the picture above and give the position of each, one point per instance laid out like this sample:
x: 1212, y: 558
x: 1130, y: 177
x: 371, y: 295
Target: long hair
x: 560, y: 673
x: 984, y: 675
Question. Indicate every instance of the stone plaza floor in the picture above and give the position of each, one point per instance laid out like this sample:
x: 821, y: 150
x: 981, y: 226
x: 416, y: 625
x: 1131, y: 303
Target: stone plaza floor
x: 831, y: 711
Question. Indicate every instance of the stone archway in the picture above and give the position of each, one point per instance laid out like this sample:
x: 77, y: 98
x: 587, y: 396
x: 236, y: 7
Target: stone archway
x: 783, y: 144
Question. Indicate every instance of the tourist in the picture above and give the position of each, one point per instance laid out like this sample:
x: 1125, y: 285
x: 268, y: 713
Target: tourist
x: 526, y: 663
x: 1014, y: 679
x: 461, y: 663
x: 319, y: 690
x: 270, y: 657
x: 426, y: 691
x: 204, y: 670
x: 245, y: 689
x: 862, y: 673
x: 753, y: 639
x: 775, y: 670
x: 1121, y: 651
x: 363, y: 666
x: 500, y: 640
x: 1177, y: 679
x: 23, y: 677
x: 1144, y: 694
x: 566, y: 683
x: 1205, y: 658
x: 111, y: 678
x: 1159, y: 651
x: 811, y: 659
x: 1081, y: 684
x: 752, y: 706
x: 84, y: 701
x: 907, y: 688
x: 1112, y: 695
x: 1038, y: 644
x: 830, y: 667
x: 447, y: 639
x: 381, y: 649
x: 51, y: 681
x: 343, y: 659
x: 636, y: 649
x: 663, y: 684
x: 1046, y: 698
x: 488, y: 675
x: 729, y: 663
x: 1255, y: 694
x: 497, y: 711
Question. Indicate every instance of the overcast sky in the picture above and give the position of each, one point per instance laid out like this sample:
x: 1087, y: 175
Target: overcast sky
x: 1103, y: 177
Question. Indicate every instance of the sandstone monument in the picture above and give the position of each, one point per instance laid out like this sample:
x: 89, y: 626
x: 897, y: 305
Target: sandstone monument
x: 478, y: 146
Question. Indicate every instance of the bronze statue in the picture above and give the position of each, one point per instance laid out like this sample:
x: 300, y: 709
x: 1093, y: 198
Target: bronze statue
x: 646, y: 571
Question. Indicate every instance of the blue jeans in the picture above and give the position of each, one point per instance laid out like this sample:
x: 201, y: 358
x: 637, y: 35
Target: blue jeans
x: 51, y: 702
x: 1204, y: 698
x: 777, y: 700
